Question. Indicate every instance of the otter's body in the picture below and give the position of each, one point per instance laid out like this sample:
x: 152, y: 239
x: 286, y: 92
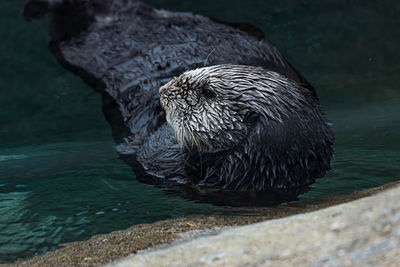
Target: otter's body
x: 247, y: 129
x: 269, y: 140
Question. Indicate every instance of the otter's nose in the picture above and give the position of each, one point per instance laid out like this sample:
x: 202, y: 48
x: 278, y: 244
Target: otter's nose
x: 163, y: 89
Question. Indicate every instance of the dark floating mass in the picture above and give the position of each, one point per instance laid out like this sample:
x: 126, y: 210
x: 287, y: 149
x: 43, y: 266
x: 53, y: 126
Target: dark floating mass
x: 236, y: 135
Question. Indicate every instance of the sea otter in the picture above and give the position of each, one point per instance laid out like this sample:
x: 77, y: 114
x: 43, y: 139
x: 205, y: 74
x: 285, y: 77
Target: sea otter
x: 238, y: 125
x: 253, y: 129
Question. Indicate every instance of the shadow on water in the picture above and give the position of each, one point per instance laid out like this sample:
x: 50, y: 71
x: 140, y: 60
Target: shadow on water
x: 60, y: 177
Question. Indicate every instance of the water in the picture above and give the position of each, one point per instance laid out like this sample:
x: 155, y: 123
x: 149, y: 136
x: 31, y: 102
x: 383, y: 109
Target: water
x: 60, y: 177
x: 70, y: 191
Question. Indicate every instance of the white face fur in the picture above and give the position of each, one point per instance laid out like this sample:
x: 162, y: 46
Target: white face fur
x: 208, y: 107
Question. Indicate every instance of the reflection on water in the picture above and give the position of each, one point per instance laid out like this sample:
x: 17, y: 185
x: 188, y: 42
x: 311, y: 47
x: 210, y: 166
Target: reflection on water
x: 60, y: 177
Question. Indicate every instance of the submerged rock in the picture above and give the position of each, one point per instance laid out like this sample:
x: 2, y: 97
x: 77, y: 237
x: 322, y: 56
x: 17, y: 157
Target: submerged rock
x: 127, y: 50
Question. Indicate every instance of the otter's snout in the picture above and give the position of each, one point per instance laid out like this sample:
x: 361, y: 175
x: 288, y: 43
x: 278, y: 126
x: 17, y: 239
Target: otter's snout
x: 170, y: 94
x: 163, y: 89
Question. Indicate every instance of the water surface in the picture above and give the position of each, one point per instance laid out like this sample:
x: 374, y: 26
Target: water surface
x: 60, y: 177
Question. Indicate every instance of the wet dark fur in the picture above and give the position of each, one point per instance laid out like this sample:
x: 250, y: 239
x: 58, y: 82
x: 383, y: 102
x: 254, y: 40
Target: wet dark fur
x: 250, y: 129
x: 127, y: 51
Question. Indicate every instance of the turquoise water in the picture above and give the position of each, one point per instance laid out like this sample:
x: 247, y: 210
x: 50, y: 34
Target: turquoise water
x: 61, y: 179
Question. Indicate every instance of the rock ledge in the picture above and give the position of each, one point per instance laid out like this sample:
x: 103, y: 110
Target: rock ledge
x: 358, y: 233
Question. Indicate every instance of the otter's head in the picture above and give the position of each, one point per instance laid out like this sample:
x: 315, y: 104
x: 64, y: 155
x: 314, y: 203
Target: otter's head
x: 214, y: 108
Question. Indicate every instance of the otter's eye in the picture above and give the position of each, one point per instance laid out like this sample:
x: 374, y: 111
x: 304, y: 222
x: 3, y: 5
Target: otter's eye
x: 208, y: 93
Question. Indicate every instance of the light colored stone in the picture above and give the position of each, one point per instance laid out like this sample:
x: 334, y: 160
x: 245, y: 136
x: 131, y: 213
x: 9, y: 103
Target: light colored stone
x: 359, y: 233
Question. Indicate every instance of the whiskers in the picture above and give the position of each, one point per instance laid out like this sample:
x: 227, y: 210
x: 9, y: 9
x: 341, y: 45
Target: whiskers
x: 195, y: 142
x: 209, y: 54
x: 187, y: 139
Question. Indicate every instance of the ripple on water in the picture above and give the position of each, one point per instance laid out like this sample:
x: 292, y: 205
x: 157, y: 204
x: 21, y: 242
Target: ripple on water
x: 71, y: 191
x: 12, y: 157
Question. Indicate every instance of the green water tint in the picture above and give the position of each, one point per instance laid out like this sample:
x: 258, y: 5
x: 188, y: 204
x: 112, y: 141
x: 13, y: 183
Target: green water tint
x: 71, y: 191
x: 60, y: 177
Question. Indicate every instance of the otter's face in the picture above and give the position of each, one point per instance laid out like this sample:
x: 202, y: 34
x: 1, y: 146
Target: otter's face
x: 199, y: 109
x: 209, y: 107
